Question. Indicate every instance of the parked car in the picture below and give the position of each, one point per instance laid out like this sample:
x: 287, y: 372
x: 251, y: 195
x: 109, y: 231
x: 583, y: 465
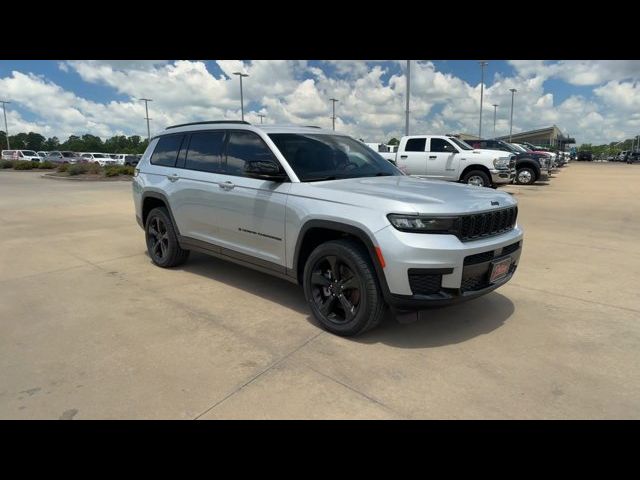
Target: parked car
x: 101, y: 158
x: 60, y: 157
x: 623, y: 155
x: 131, y: 160
x: 25, y: 155
x: 42, y: 153
x: 585, y: 156
x: 125, y: 159
x: 320, y: 209
x: 633, y: 157
x: 447, y: 158
x: 530, y: 167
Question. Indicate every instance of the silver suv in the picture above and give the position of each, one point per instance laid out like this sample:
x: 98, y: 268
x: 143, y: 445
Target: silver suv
x: 323, y: 210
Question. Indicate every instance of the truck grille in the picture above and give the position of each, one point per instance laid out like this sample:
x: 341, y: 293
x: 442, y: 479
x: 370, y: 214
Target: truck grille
x: 424, y: 284
x: 482, y: 225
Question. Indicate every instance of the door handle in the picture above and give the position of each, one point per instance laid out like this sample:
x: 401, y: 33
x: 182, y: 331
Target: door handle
x: 226, y: 185
x: 403, y: 156
x: 433, y: 156
x: 173, y: 177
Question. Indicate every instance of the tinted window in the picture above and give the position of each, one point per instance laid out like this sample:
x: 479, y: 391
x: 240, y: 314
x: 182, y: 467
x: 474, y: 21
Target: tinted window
x: 205, y: 151
x: 245, y: 147
x: 166, y: 150
x: 441, y: 145
x: 416, y: 145
x: 330, y: 157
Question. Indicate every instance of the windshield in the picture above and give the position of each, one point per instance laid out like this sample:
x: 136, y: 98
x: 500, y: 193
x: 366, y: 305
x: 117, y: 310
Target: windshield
x: 509, y: 147
x: 98, y: 155
x: 330, y: 157
x: 68, y: 154
x: 524, y: 149
x: 28, y: 153
x: 461, y: 144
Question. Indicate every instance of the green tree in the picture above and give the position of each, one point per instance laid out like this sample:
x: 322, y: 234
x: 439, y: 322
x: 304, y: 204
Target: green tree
x: 35, y: 141
x: 393, y: 141
x: 52, y: 143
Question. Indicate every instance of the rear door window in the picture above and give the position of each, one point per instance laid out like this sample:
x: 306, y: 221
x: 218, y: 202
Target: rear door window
x: 205, y: 151
x: 416, y: 145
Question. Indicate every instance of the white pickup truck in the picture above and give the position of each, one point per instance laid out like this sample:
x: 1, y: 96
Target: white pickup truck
x: 447, y: 158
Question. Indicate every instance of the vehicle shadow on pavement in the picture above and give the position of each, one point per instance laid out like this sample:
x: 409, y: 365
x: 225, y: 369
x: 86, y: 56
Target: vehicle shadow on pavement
x: 435, y: 327
x: 266, y: 286
x: 446, y: 325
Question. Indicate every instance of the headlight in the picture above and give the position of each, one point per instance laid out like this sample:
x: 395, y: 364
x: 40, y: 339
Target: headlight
x: 415, y: 223
x: 501, y: 162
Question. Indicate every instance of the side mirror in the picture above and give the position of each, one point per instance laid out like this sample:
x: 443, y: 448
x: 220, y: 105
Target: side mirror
x: 266, y: 170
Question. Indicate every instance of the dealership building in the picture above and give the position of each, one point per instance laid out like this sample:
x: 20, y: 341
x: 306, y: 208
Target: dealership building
x: 551, y: 137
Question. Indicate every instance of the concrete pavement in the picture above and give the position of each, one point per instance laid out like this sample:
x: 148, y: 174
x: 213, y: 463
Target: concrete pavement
x: 89, y: 328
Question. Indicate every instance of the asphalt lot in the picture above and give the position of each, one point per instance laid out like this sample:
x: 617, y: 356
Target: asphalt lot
x: 89, y: 328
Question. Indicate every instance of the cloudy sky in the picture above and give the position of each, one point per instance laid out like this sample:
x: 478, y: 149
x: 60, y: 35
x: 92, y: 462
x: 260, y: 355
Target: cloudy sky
x: 593, y: 101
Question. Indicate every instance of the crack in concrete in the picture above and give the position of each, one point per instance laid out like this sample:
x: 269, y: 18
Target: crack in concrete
x: 355, y: 390
x: 255, y: 377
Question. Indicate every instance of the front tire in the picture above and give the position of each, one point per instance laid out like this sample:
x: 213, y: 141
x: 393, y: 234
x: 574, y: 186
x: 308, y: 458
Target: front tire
x: 162, y: 241
x: 525, y: 176
x: 477, y: 178
x: 341, y: 288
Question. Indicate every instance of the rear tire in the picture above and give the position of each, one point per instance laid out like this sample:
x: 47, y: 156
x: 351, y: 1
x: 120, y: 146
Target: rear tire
x: 477, y: 178
x: 341, y: 288
x: 162, y: 241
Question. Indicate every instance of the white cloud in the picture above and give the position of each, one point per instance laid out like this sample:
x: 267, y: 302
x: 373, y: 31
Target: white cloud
x: 371, y: 102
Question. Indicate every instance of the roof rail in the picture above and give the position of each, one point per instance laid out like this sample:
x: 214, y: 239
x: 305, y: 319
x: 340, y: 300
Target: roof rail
x: 208, y: 123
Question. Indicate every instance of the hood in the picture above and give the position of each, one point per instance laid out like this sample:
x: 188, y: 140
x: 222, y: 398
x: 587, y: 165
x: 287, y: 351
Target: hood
x: 405, y: 194
x: 492, y: 153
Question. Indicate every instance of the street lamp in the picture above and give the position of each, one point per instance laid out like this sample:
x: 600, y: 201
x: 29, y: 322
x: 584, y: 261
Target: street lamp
x: 406, y: 124
x: 6, y: 128
x: 240, y: 74
x: 146, y: 109
x: 334, y: 100
x: 482, y: 65
x: 513, y: 91
x: 495, y: 111
x: 261, y: 117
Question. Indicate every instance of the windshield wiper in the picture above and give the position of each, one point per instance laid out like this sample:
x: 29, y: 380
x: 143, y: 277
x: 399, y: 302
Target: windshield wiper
x: 320, y: 179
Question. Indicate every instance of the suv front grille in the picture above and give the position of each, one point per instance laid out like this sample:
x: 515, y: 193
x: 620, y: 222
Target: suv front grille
x: 482, y: 225
x: 424, y: 284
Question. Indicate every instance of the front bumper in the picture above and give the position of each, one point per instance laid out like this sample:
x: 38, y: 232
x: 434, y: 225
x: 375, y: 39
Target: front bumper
x: 443, y: 256
x: 502, y: 176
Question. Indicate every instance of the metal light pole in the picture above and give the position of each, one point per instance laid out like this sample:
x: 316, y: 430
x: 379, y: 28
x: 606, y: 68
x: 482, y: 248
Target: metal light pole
x: 334, y: 100
x: 406, y: 123
x: 513, y: 91
x: 6, y: 128
x: 146, y: 109
x: 261, y: 117
x: 495, y: 111
x: 482, y: 65
x: 240, y: 74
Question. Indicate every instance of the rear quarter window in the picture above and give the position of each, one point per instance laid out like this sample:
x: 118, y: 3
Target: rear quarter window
x: 166, y: 151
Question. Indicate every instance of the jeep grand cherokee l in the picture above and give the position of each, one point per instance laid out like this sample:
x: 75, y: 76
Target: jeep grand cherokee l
x: 323, y: 210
